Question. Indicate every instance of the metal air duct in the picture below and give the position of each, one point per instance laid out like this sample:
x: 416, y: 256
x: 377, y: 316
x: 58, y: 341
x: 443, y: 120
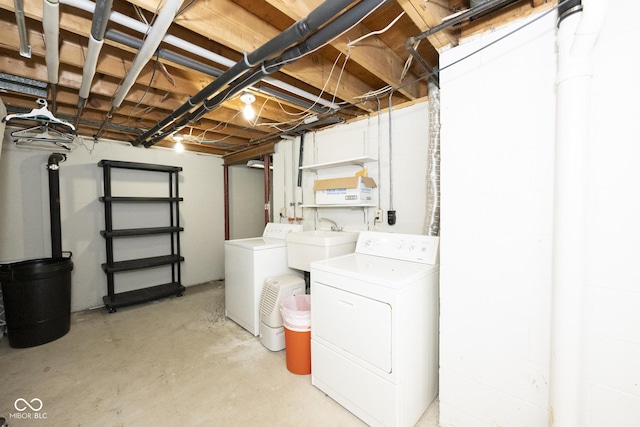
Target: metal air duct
x: 432, y: 226
x: 25, y: 49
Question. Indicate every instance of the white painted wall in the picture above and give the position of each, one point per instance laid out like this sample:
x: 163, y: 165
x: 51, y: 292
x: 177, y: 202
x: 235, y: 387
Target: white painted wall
x: 498, y: 136
x: 246, y: 202
x: 406, y: 179
x: 24, y: 214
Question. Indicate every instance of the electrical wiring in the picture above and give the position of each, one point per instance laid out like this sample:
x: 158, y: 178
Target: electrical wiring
x: 351, y: 44
x: 344, y: 64
x: 185, y: 7
x: 515, y: 30
x: 289, y: 56
x: 211, y: 129
x: 408, y: 62
x: 305, y: 113
x: 146, y: 91
x: 149, y: 26
x: 374, y: 33
x: 295, y: 58
x: 375, y: 94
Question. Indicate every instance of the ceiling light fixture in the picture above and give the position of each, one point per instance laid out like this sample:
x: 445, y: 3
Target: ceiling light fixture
x: 247, y: 111
x: 178, y: 145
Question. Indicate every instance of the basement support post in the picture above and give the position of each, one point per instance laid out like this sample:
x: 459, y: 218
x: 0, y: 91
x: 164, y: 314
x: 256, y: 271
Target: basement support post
x: 226, y: 202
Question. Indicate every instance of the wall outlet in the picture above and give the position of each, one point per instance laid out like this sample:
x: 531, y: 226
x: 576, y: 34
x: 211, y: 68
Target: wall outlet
x: 378, y: 216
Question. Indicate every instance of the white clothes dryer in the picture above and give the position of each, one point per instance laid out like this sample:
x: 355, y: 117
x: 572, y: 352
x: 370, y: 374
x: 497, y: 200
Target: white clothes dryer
x: 374, y: 327
x: 247, y: 264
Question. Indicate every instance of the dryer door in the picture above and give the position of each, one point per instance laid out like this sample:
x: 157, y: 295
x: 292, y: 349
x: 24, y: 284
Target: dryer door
x: 353, y: 323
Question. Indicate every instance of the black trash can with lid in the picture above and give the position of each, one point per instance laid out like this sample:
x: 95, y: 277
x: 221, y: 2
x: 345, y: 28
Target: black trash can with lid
x: 37, y: 300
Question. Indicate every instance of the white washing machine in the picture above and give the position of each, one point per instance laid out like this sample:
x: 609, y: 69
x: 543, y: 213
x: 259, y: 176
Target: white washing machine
x: 374, y: 327
x: 247, y: 263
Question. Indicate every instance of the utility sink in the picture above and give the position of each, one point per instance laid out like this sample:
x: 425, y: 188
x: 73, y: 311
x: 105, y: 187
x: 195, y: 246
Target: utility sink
x: 305, y: 247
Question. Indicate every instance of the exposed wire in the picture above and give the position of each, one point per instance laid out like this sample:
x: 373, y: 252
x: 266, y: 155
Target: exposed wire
x: 185, y: 7
x: 344, y: 64
x: 288, y: 61
x: 510, y: 33
x: 375, y: 93
x: 93, y: 146
x: 374, y: 33
x: 146, y: 91
x: 149, y: 25
x: 352, y: 43
x: 426, y: 76
x: 409, y: 61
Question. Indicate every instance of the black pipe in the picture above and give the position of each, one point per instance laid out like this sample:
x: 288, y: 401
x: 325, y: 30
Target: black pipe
x: 468, y: 14
x: 54, y: 203
x: 313, y: 42
x: 568, y: 8
x: 300, y: 159
x: 296, y: 32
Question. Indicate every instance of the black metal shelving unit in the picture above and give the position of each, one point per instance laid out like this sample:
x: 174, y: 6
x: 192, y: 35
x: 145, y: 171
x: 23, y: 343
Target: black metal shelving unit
x: 113, y: 299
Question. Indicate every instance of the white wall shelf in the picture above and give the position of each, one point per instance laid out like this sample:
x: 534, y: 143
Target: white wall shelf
x: 355, y: 161
x: 361, y: 205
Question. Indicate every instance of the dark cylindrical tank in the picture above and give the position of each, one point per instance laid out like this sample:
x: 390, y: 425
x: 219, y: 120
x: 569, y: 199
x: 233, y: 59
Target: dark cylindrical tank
x: 37, y: 300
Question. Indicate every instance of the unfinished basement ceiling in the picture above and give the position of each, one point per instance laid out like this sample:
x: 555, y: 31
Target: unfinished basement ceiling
x: 350, y: 76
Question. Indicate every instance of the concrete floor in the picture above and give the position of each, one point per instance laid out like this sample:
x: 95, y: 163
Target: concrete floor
x: 177, y: 362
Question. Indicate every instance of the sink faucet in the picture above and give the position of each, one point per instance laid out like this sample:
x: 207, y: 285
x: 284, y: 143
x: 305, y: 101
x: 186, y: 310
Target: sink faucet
x: 334, y: 227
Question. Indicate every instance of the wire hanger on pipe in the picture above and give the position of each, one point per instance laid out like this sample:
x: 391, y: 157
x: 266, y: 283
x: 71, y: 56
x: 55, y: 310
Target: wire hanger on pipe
x: 42, y: 115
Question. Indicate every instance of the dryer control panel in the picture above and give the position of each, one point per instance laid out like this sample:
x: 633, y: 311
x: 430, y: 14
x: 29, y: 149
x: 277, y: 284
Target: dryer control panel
x: 406, y: 247
x: 280, y: 231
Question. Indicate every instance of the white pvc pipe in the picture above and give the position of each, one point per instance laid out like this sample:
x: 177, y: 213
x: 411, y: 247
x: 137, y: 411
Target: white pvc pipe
x: 51, y: 28
x: 90, y: 64
x: 140, y: 27
x: 576, y: 37
x: 150, y: 45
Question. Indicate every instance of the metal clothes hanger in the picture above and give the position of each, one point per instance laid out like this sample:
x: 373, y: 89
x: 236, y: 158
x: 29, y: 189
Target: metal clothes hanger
x: 43, y: 133
x: 41, y: 114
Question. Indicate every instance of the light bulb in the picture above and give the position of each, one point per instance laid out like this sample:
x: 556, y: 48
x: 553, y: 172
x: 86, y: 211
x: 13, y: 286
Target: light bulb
x: 248, y: 112
x: 178, y: 145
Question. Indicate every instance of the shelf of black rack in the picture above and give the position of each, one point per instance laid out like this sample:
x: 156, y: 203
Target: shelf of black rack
x: 139, y: 199
x: 139, y: 166
x: 139, y: 263
x: 130, y: 232
x: 138, y: 296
